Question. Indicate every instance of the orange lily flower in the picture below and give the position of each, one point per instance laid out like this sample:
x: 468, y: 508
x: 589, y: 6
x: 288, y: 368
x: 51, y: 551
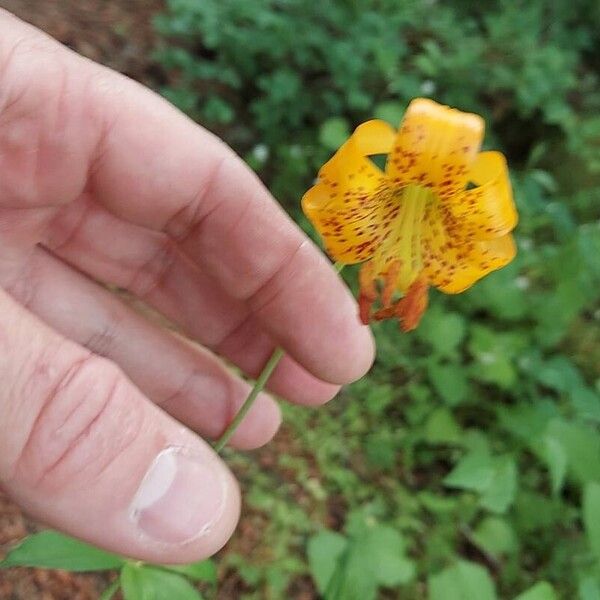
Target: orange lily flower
x: 439, y: 215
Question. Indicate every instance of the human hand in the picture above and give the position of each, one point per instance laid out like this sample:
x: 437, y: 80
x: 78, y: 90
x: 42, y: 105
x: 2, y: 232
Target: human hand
x: 101, y: 180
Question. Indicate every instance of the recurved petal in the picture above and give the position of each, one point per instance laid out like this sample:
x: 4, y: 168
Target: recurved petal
x: 486, y: 211
x: 435, y: 146
x: 453, y: 264
x: 351, y: 205
x: 350, y: 173
x: 351, y: 229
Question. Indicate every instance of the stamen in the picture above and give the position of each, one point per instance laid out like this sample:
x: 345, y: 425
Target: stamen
x: 411, y: 307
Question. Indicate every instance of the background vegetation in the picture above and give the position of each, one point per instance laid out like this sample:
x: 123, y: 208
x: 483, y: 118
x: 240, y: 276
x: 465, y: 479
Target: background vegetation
x: 467, y: 464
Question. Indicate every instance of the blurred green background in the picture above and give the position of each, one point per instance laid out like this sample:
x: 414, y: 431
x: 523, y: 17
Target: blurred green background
x: 466, y: 465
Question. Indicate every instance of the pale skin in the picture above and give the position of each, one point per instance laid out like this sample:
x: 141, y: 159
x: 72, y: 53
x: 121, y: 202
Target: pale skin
x: 101, y: 181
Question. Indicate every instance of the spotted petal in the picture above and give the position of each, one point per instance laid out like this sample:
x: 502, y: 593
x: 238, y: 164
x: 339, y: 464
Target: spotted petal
x: 453, y: 264
x: 435, y: 147
x: 350, y: 204
x: 486, y: 211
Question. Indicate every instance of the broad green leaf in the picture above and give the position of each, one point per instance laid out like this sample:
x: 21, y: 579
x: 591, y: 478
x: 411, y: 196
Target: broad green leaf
x: 494, y: 355
x: 388, y: 548
x: 495, y: 536
x: 591, y: 516
x: 450, y: 382
x: 442, y: 428
x: 381, y: 449
x: 556, y: 459
x: 140, y: 582
x: 586, y: 403
x: 444, y: 331
x: 560, y: 374
x: 495, y: 478
x: 500, y: 493
x: 53, y: 550
x: 474, y: 471
x: 540, y: 591
x: 582, y: 447
x: 589, y: 589
x: 324, y: 552
x: 352, y: 568
x: 205, y: 570
x: 463, y: 581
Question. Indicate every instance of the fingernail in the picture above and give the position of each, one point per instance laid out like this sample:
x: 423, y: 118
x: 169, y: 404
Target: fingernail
x: 180, y: 497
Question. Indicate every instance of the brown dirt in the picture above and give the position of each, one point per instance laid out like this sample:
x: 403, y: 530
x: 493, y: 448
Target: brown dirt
x: 116, y: 33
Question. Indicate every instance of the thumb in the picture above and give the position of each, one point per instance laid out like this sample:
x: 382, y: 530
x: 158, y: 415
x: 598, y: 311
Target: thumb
x: 83, y: 450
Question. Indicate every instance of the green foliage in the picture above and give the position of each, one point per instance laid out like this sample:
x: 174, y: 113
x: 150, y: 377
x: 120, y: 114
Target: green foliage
x: 463, y: 581
x: 353, y: 567
x: 137, y: 581
x: 476, y: 439
x: 56, y: 551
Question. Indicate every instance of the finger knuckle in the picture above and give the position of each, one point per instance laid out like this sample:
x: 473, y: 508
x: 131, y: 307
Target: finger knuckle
x: 84, y: 423
x: 36, y: 101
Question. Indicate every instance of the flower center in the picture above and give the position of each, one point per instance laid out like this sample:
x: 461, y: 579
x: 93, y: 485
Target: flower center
x: 403, y: 246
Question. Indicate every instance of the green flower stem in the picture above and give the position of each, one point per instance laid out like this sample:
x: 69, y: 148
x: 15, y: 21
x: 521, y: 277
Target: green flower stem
x: 255, y: 391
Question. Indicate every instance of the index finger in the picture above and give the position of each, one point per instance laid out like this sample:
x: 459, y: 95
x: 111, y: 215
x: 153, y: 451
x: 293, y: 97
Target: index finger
x: 148, y: 163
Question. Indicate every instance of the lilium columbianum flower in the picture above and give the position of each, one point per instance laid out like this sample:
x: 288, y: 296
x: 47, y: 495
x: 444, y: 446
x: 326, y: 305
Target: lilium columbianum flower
x: 439, y: 215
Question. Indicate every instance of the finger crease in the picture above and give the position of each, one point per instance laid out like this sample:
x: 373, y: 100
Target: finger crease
x: 180, y: 226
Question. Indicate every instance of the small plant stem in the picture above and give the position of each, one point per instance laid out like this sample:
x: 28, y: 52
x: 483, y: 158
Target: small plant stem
x: 258, y: 386
x: 255, y: 391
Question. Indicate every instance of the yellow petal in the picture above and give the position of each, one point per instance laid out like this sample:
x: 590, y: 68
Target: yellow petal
x: 435, y: 147
x: 350, y: 173
x: 453, y: 264
x: 487, y: 211
x: 351, y: 205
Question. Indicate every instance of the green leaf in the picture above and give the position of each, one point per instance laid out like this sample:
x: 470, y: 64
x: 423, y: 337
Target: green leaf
x: 351, y: 568
x: 333, y: 133
x: 495, y: 478
x: 381, y: 449
x: 540, y: 591
x: 442, y: 428
x: 444, y: 331
x: 500, y: 493
x: 474, y: 471
x: 494, y: 354
x: 589, y: 589
x: 591, y: 516
x: 556, y: 458
x: 586, y: 403
x: 581, y: 446
x: 450, y: 382
x: 495, y: 536
x: 392, y: 567
x: 141, y: 582
x: 205, y: 570
x: 53, y: 550
x: 324, y: 552
x: 463, y: 581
